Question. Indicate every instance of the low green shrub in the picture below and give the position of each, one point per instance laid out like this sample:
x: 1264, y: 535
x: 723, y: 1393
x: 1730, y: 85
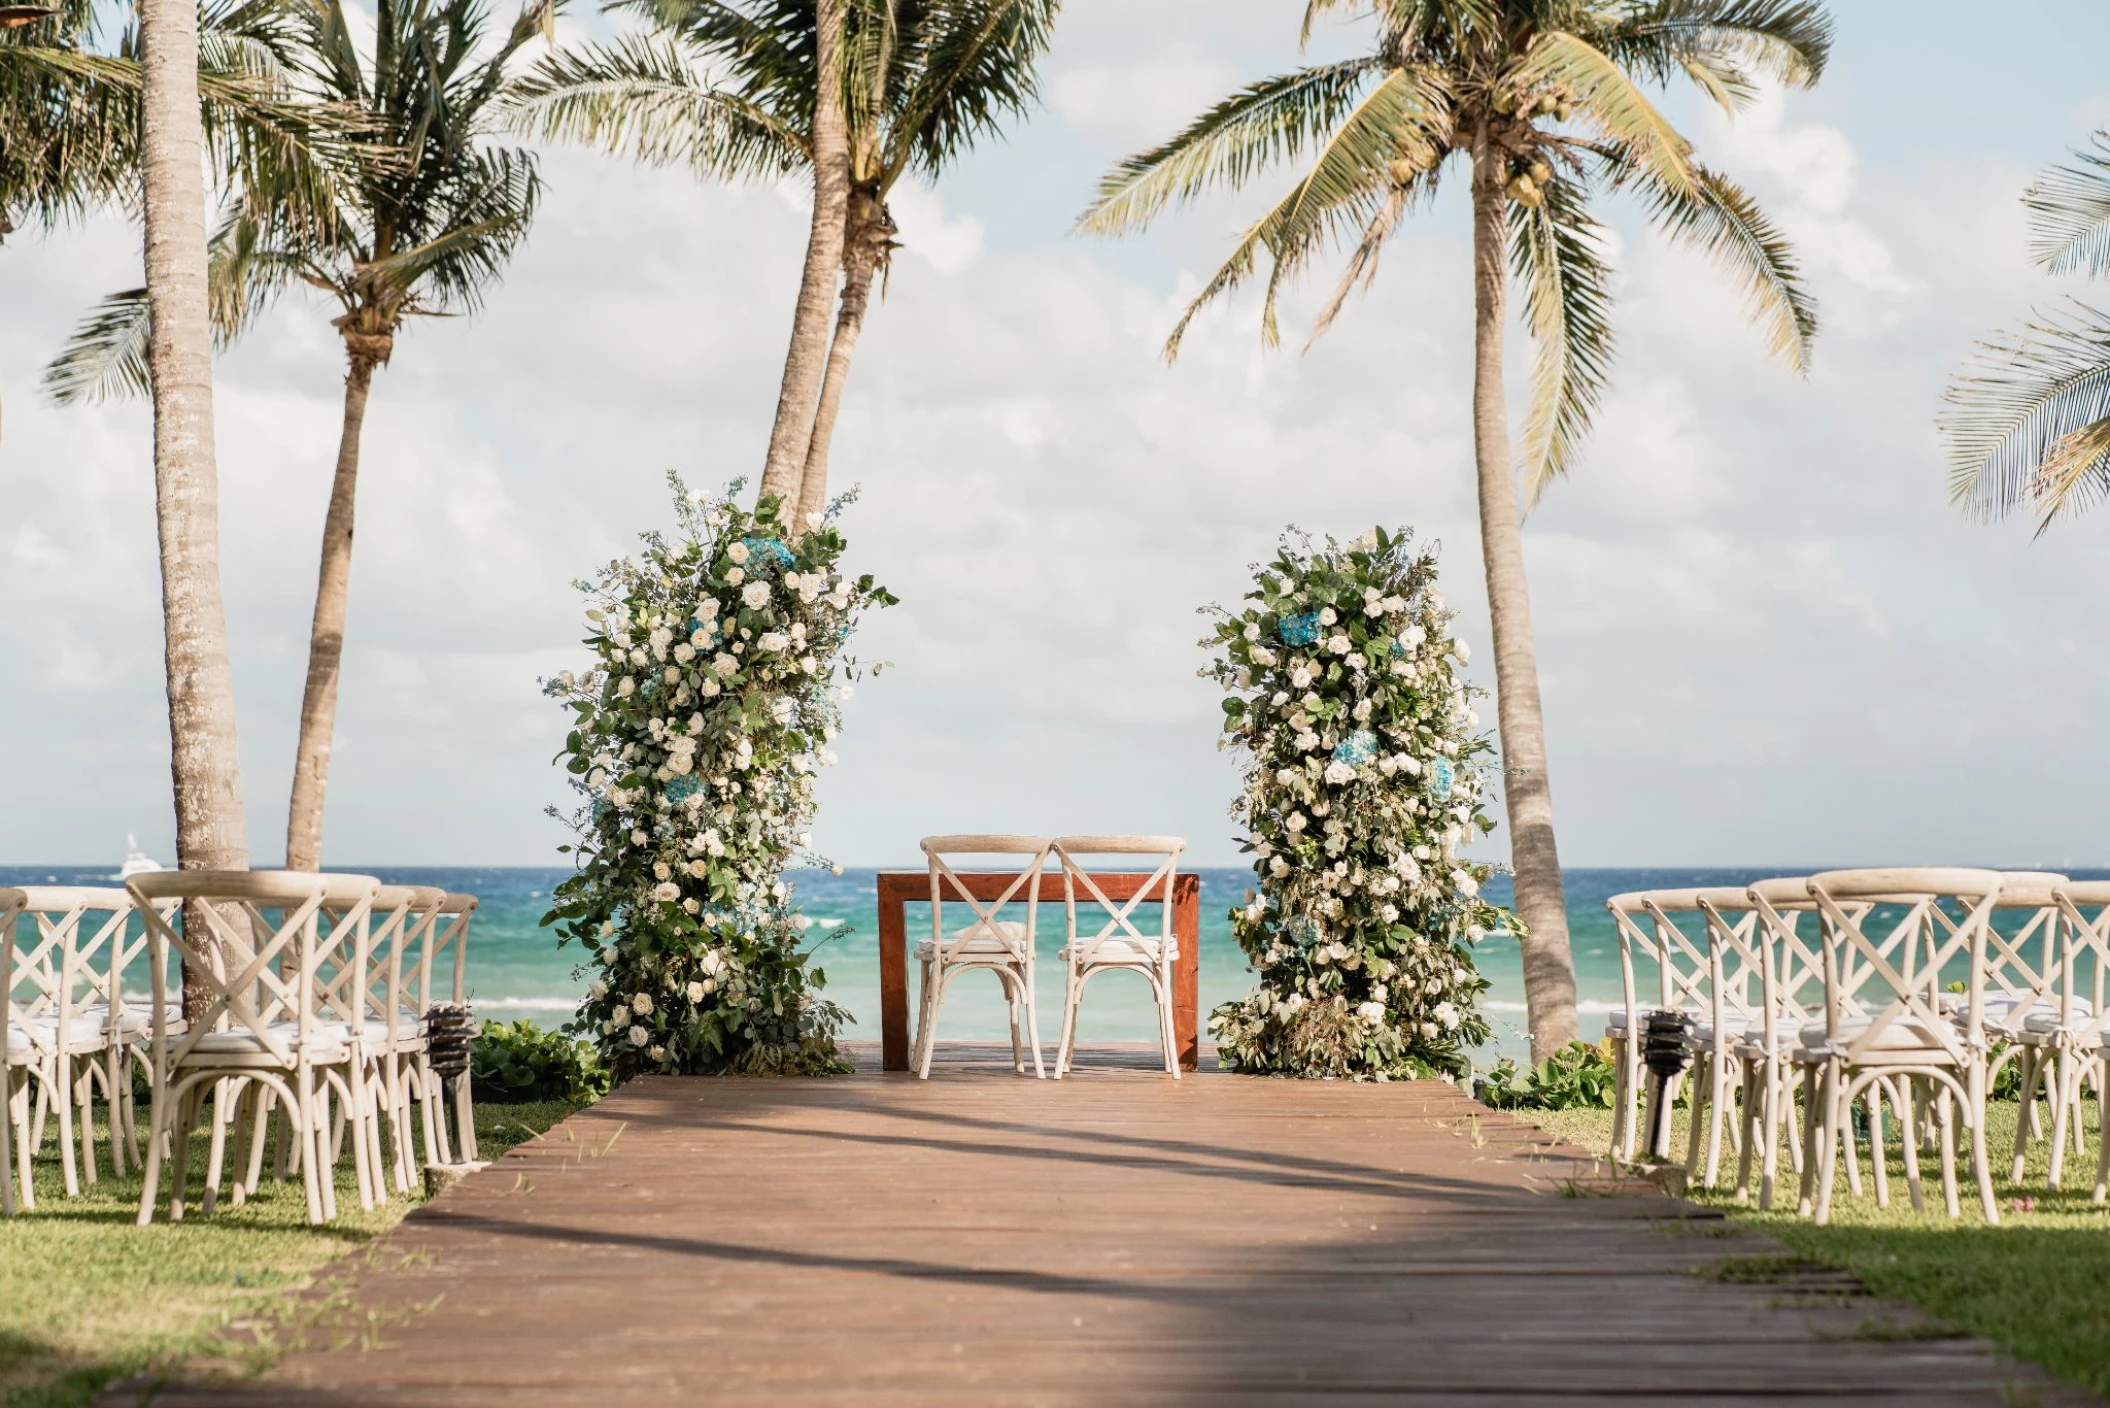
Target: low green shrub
x: 1579, y: 1076
x: 519, y: 1062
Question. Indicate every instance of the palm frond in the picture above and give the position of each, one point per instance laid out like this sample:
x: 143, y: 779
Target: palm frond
x: 1607, y: 98
x: 1721, y: 44
x: 1343, y: 190
x: 1718, y: 218
x: 640, y: 97
x: 1557, y: 250
x: 2069, y: 210
x: 974, y: 66
x: 1276, y: 119
x: 2074, y: 476
x: 106, y: 358
x: 2015, y: 411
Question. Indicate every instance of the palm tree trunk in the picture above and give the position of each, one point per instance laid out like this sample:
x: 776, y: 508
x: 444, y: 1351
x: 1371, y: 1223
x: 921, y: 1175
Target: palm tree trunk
x: 204, y: 764
x: 871, y: 237
x: 804, y: 365
x: 318, y: 704
x: 1549, y: 970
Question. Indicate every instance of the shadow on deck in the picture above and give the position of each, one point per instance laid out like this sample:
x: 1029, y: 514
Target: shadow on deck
x: 1117, y: 1238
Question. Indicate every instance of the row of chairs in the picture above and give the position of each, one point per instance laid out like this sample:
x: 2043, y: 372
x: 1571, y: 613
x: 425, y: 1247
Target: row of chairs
x: 1861, y: 992
x: 298, y: 1005
x: 1005, y: 947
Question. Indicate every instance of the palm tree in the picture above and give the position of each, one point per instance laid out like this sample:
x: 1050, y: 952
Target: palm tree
x: 1544, y: 101
x: 2030, y: 420
x: 922, y: 81
x: 424, y: 232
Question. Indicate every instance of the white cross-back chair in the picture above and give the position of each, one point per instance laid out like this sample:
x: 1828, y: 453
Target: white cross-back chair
x: 1118, y: 945
x: 2043, y: 1026
x: 2084, y: 907
x: 1662, y: 967
x: 16, y: 1056
x: 72, y: 951
x: 1791, y: 984
x: 984, y: 943
x: 264, y: 1023
x: 1890, y: 1026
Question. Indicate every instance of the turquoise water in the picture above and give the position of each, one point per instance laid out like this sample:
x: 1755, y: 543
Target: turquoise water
x: 517, y: 970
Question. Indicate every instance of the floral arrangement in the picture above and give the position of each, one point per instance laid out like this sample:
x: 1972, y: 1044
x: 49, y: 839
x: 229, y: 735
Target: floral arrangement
x: 718, y: 677
x: 1360, y: 787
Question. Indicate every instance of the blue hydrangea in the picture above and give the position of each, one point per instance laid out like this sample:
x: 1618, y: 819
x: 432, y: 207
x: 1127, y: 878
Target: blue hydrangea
x: 1441, y: 776
x: 1299, y: 630
x: 765, y: 553
x: 1301, y: 931
x: 680, y: 789
x: 1356, y: 749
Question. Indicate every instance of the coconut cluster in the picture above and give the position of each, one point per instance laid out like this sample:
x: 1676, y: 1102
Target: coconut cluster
x: 1362, y: 786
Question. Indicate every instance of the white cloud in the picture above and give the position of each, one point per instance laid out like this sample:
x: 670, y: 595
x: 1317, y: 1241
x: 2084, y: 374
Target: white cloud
x: 947, y: 243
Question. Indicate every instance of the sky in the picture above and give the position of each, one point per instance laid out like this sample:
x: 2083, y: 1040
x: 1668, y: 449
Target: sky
x: 1765, y: 638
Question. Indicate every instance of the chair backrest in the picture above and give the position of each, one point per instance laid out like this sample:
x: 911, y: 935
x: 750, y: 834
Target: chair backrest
x: 401, y: 918
x: 1790, y: 954
x: 69, y: 927
x: 2087, y: 943
x: 2014, y: 979
x: 1643, y: 920
x: 1119, y: 925
x: 1877, y: 980
x: 949, y: 886
x: 10, y: 910
x: 275, y: 990
x: 447, y: 950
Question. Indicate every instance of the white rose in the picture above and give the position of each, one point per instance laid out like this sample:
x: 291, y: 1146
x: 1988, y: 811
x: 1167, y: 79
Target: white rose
x: 725, y: 664
x: 625, y: 687
x: 620, y: 1015
x: 737, y: 552
x: 1340, y: 645
x: 1300, y: 677
x: 695, y: 992
x: 734, y: 576
x: 1252, y: 630
x: 1463, y: 653
x: 1465, y: 883
x: 642, y: 1004
x: 1277, y: 866
x: 660, y: 871
x: 639, y: 1036
x: 1307, y: 741
x: 1326, y: 616
x: 772, y: 641
x: 1410, y: 766
x: 1390, y: 914
x: 845, y: 693
x: 658, y: 1053
x: 1371, y: 1012
x: 1448, y: 1015
x: 598, y: 991
x: 684, y: 652
x: 1262, y: 656
x: 755, y: 594
x: 666, y: 891
x: 1296, y: 822
x: 710, y: 689
x: 1339, y: 773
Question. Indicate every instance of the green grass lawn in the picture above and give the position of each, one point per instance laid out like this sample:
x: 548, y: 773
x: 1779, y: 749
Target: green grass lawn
x: 2038, y: 1284
x: 87, y: 1297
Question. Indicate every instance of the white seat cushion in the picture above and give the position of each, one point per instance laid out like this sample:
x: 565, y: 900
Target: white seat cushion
x: 1122, y: 949
x: 1904, y: 1033
x: 18, y: 1048
x: 137, y: 1016
x: 1004, y: 938
x: 81, y: 1032
x: 2007, y: 1013
x: 323, y: 1047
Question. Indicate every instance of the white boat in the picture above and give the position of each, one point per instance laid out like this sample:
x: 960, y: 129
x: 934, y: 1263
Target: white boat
x: 137, y: 862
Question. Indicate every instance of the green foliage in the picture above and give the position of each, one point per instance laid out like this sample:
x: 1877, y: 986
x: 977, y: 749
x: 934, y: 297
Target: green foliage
x: 522, y: 1063
x: 1546, y: 98
x: 695, y: 737
x: 1579, y: 1076
x: 2029, y: 425
x: 1360, y: 786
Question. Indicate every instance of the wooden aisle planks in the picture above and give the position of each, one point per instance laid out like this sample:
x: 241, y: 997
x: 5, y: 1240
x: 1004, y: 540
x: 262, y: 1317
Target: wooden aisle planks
x: 1113, y: 1239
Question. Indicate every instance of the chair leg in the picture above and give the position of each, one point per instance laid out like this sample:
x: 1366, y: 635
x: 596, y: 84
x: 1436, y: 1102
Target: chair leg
x: 179, y: 1150
x: 2062, y: 1078
x: 84, y: 1101
x: 1161, y: 985
x: 1981, y: 1160
x: 1696, y: 1134
x: 1909, y: 1142
x: 1717, y: 1112
x: 926, y: 1021
x: 1018, y: 1046
x: 1850, y: 1145
x: 1065, y: 1050
x: 1622, y: 1099
x: 2102, y: 1140
x: 320, y: 1165
x: 2027, y: 1068
x: 1947, y: 1104
x: 1878, y: 1154
x: 465, y: 1119
x: 61, y: 1088
x: 216, y: 1150
x: 1033, y: 1023
x: 934, y: 998
x: 7, y: 1140
x: 1805, y: 1202
x: 304, y: 1123
x: 1833, y: 1098
x: 157, y: 1112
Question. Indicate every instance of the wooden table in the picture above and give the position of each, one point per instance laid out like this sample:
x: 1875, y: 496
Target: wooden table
x: 898, y: 887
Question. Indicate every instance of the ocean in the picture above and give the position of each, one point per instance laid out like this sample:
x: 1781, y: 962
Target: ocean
x: 518, y: 970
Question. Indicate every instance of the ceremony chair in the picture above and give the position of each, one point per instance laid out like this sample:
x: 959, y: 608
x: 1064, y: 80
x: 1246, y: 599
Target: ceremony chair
x: 1889, y: 1027
x: 1791, y: 978
x: 2031, y: 1009
x: 1118, y: 946
x: 986, y: 943
x: 72, y: 953
x: 2088, y: 937
x: 16, y: 1056
x: 446, y: 950
x: 266, y: 1023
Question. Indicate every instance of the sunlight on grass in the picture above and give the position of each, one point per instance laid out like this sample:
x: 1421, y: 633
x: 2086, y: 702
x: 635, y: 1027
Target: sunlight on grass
x: 2038, y: 1284
x: 86, y: 1296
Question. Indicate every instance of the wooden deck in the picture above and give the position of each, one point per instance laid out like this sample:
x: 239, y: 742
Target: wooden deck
x: 1114, y: 1239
